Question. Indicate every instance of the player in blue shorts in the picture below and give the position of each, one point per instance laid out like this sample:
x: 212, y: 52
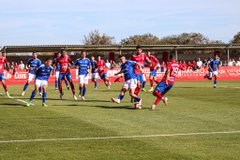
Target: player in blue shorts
x: 213, y: 68
x: 94, y: 72
x: 42, y: 76
x: 57, y: 71
x: 127, y: 68
x: 32, y: 64
x: 84, y: 66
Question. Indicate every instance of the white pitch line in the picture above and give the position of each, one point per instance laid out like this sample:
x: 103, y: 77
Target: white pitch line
x: 117, y: 137
x: 19, y: 100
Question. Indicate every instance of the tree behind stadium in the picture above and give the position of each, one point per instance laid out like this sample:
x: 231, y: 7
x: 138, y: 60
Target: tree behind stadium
x: 96, y: 38
x: 143, y: 39
x: 236, y: 38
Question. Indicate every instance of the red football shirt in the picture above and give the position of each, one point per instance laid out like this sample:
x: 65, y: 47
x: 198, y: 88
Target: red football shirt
x: 154, y: 62
x: 139, y: 58
x: 174, y: 67
x: 101, y: 66
x: 3, y: 60
x: 64, y: 63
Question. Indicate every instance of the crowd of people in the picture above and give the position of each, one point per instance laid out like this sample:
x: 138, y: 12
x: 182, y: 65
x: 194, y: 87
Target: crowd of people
x: 131, y: 71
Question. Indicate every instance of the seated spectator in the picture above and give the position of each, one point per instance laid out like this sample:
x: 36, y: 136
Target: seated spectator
x: 230, y: 63
x: 108, y: 64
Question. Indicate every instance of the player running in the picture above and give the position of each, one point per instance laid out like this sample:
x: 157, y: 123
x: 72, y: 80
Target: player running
x: 84, y: 66
x: 140, y: 58
x: 3, y: 61
x: 64, y: 61
x: 42, y: 76
x: 167, y: 82
x: 213, y: 68
x: 32, y: 64
x: 57, y: 71
x: 102, y: 71
x: 94, y: 72
x: 154, y: 66
x: 127, y: 68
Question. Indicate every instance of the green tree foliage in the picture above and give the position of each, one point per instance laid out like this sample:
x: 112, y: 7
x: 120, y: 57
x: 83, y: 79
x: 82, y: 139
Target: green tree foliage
x: 236, y: 38
x: 96, y: 38
x: 147, y: 39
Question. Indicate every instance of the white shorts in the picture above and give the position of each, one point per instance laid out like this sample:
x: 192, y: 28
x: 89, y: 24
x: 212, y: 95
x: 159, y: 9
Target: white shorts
x: 131, y: 83
x: 144, y: 77
x: 31, y: 76
x: 57, y: 74
x: 41, y: 83
x: 213, y: 73
x: 83, y: 79
x: 95, y: 75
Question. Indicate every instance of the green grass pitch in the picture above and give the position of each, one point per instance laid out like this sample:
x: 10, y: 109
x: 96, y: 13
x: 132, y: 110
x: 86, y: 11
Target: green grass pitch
x: 194, y: 107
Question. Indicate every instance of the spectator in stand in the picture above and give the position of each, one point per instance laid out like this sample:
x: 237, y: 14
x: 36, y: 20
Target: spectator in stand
x: 199, y: 64
x: 15, y: 68
x: 108, y: 64
x: 230, y: 63
x: 238, y: 62
x: 225, y: 63
x: 205, y: 63
x: 113, y: 64
x: 21, y: 66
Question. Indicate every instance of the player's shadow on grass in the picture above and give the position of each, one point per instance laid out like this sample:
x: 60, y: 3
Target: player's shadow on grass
x: 10, y: 104
x: 109, y: 90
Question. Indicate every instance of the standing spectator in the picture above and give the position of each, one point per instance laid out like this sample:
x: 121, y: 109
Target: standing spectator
x: 15, y: 68
x: 199, y: 63
x: 108, y: 64
x: 21, y: 66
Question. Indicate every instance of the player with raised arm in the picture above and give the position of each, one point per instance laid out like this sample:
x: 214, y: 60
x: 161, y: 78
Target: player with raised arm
x: 127, y: 68
x: 154, y: 66
x: 102, y: 71
x: 140, y: 58
x: 84, y: 66
x: 41, y: 81
x: 94, y: 72
x: 65, y: 61
x: 56, y: 68
x: 167, y: 82
x: 213, y: 68
x: 3, y: 61
x: 32, y: 65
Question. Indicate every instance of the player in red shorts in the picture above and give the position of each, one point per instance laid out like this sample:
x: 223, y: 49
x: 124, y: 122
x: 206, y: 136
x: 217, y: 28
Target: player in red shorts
x: 140, y: 58
x: 102, y: 71
x: 167, y: 82
x: 154, y: 66
x: 3, y: 61
x: 64, y: 61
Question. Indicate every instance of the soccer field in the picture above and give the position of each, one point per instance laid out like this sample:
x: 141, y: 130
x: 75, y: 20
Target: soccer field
x: 200, y: 123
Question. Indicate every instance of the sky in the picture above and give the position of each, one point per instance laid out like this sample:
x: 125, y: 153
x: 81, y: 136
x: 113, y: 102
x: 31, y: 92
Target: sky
x: 39, y: 22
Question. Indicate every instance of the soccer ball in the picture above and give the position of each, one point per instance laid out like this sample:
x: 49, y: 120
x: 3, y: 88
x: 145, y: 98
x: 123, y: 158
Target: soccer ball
x: 137, y: 105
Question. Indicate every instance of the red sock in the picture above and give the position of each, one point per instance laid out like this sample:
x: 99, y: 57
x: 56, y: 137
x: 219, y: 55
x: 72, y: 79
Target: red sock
x: 72, y: 88
x: 137, y: 90
x: 158, y: 95
x: 60, y: 88
x: 5, y: 87
x: 151, y: 82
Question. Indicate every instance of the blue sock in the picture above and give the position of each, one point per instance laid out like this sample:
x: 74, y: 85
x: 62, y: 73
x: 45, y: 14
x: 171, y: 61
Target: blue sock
x: 143, y: 84
x: 84, y: 90
x: 80, y: 90
x: 137, y: 99
x: 215, y: 82
x: 120, y: 96
x: 56, y: 83
x: 25, y: 86
x: 44, y: 97
x: 40, y: 89
x: 95, y: 84
x: 33, y: 95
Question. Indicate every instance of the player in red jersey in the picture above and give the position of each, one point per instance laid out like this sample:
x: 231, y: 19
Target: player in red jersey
x: 3, y: 61
x: 154, y: 66
x: 167, y: 82
x: 102, y: 71
x: 140, y: 58
x: 65, y: 61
